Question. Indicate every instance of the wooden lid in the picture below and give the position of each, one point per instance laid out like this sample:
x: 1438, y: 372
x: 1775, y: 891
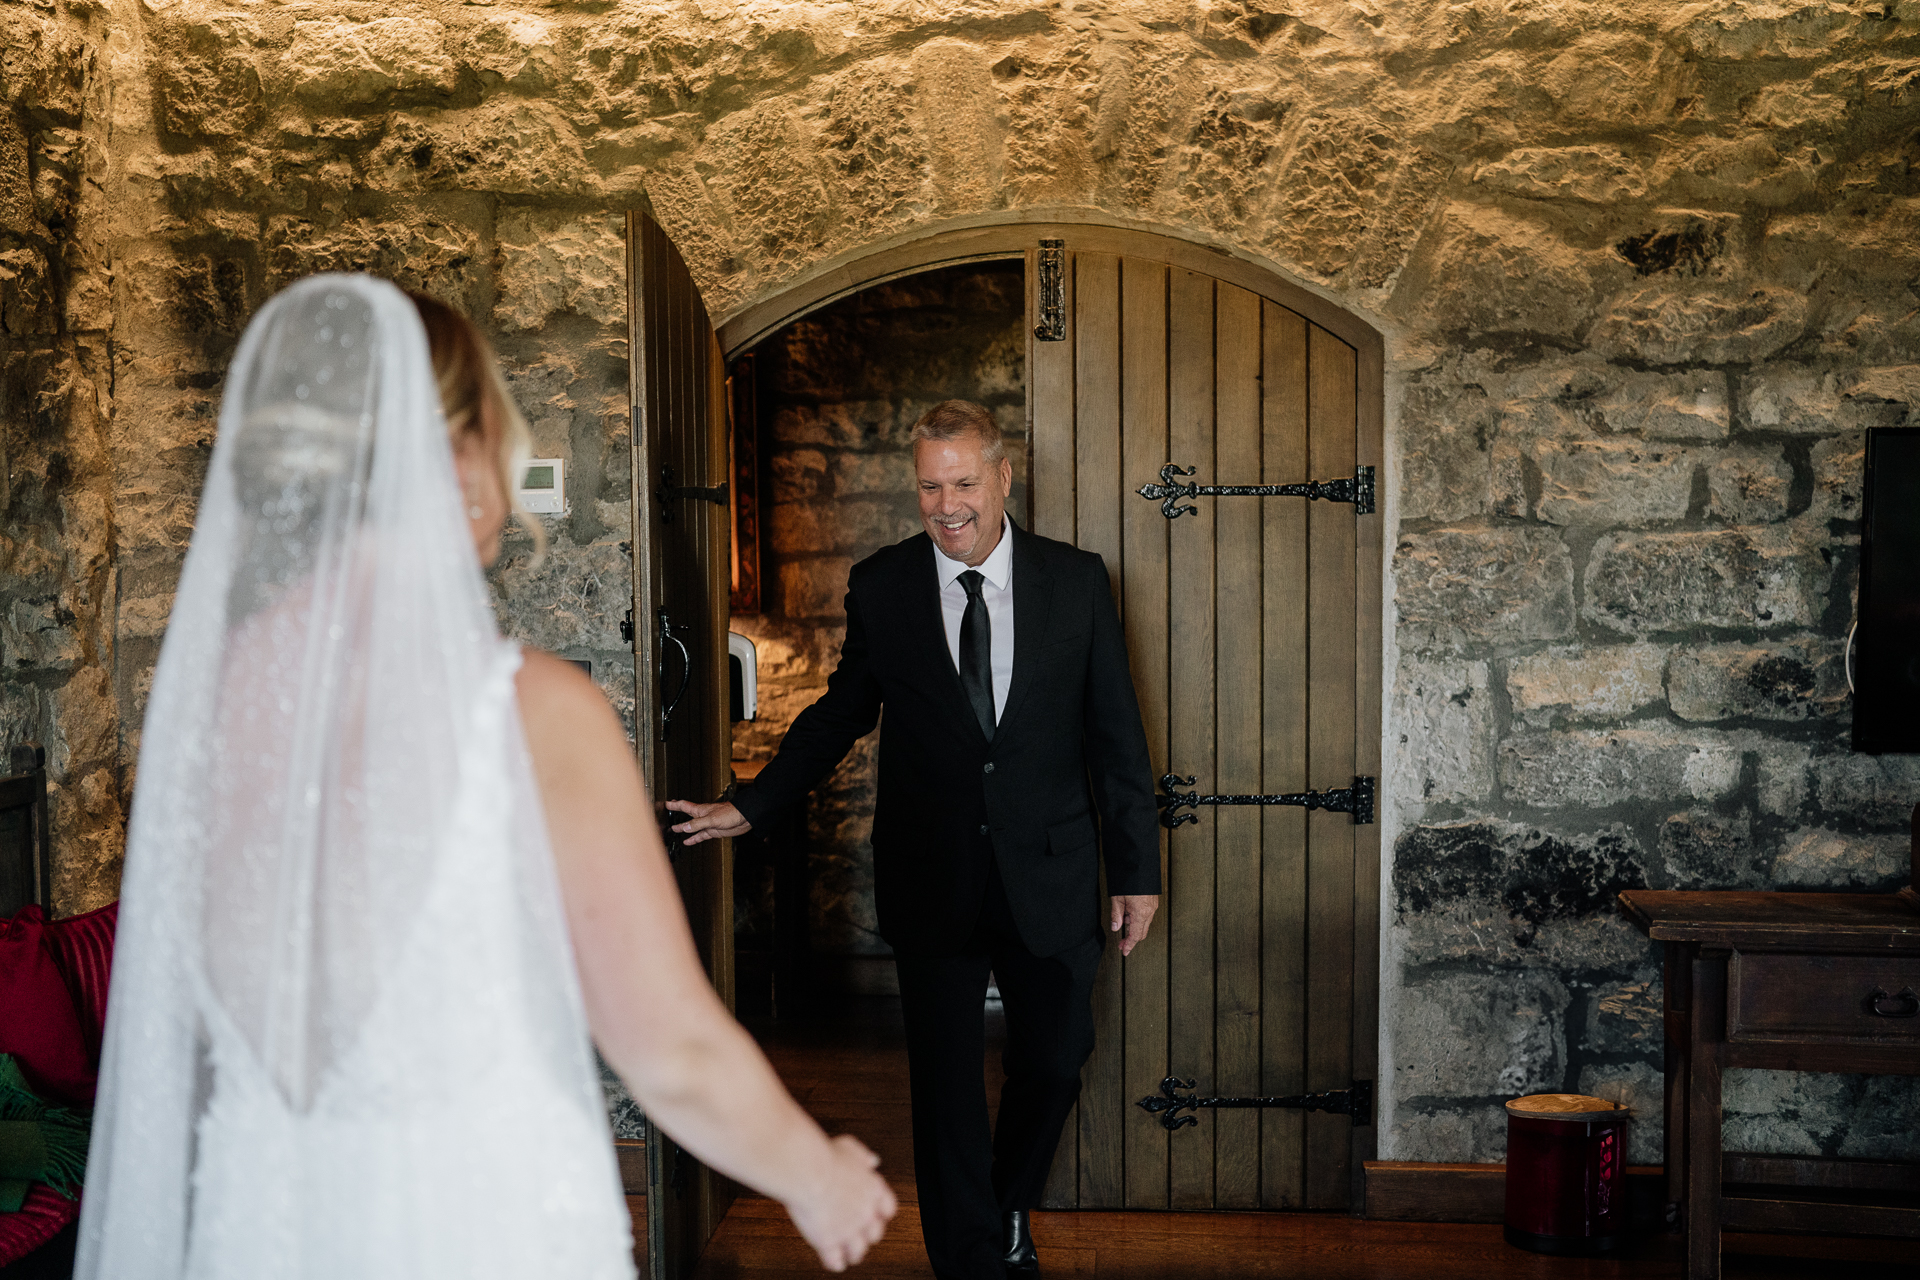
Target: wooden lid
x: 1564, y: 1106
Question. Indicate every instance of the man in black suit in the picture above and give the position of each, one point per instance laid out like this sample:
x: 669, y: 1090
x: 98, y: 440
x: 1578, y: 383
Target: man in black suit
x: 1010, y: 723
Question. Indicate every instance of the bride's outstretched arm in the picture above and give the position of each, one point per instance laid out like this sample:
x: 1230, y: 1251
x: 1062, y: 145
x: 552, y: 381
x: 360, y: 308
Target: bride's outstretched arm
x: 691, y: 1067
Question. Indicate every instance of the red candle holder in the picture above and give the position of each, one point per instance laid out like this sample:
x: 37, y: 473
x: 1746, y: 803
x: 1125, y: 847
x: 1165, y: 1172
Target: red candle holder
x: 1566, y: 1174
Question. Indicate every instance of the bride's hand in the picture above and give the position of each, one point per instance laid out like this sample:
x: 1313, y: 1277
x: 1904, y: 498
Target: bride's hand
x: 847, y: 1208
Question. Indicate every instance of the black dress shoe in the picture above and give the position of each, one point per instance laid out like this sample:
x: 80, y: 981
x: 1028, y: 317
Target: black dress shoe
x: 1022, y: 1262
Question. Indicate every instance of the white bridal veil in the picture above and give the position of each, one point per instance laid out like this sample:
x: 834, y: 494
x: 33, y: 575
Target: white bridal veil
x: 344, y: 1039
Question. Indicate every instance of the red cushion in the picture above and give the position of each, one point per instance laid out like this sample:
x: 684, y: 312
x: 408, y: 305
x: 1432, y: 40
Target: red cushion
x: 38, y: 1023
x: 82, y: 948
x: 37, y: 1221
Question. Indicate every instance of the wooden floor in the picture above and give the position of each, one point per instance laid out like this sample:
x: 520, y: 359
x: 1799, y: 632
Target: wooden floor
x: 850, y: 1072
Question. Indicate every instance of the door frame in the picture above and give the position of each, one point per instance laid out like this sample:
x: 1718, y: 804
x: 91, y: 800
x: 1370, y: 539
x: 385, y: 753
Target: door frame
x: 1015, y: 234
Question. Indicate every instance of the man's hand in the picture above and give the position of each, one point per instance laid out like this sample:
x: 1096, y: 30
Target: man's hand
x: 716, y: 821
x: 1133, y: 911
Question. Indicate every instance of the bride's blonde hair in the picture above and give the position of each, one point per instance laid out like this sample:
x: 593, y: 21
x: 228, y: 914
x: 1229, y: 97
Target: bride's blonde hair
x: 468, y: 376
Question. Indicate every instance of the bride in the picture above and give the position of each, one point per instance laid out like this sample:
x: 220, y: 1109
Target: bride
x: 385, y: 871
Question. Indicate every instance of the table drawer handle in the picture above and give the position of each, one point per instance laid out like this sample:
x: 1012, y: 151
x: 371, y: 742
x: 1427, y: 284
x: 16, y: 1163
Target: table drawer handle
x: 1904, y: 1005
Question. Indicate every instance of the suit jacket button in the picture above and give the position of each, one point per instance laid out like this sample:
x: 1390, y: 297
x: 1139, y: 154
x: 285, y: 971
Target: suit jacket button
x: 989, y: 768
x: 983, y: 829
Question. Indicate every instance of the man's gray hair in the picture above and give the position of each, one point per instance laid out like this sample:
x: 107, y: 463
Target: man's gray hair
x: 953, y: 419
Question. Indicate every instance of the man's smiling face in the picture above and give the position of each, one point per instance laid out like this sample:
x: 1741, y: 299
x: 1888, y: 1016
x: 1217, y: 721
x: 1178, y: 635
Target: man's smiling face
x: 963, y: 497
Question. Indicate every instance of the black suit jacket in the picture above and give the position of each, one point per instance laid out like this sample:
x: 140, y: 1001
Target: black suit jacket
x: 1069, y: 745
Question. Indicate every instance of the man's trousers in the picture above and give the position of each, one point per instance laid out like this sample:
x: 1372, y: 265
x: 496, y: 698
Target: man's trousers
x: 967, y: 1177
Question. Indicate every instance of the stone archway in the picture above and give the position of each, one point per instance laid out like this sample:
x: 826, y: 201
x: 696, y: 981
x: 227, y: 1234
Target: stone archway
x: 1223, y: 359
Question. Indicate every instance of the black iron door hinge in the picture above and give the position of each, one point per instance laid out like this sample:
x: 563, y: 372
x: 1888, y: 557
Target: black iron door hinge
x: 1356, y: 800
x: 669, y: 491
x: 1052, y: 309
x: 1168, y: 493
x: 1354, y: 1102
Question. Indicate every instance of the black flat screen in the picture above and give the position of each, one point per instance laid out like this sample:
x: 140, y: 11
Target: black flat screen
x: 1886, y: 663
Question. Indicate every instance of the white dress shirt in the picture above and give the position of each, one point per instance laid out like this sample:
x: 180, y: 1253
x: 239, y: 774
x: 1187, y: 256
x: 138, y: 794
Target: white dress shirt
x: 997, y: 591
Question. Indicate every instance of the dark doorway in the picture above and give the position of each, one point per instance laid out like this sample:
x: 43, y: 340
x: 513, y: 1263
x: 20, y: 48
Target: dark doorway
x: 833, y: 397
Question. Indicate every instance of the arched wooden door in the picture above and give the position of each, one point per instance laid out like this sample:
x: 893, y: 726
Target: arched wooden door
x: 1253, y: 624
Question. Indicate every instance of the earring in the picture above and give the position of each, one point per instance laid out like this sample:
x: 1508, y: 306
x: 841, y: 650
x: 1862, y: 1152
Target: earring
x: 474, y: 512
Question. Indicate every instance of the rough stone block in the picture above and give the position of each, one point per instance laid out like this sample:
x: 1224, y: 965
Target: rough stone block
x: 798, y: 474
x: 551, y: 263
x: 1641, y: 1086
x: 1690, y: 322
x: 573, y: 602
x: 1880, y: 1122
x: 1867, y: 791
x: 890, y: 474
x: 1780, y: 779
x: 1625, y: 1015
x: 1810, y: 400
x: 1483, y: 586
x: 1784, y: 1112
x: 1485, y: 270
x: 1522, y: 881
x: 815, y: 588
x: 507, y: 146
x: 1666, y: 406
x: 1817, y: 858
x: 1702, y: 849
x: 1839, y: 475
x: 1606, y: 682
x: 1595, y: 174
x: 521, y: 50
x: 1479, y: 1035
x: 1444, y: 713
x: 332, y: 61
x: 1592, y: 768
x: 799, y: 528
x: 1612, y: 483
x: 1791, y: 397
x: 1794, y: 680
x: 1443, y: 449
x: 1663, y: 582
x: 1749, y: 485
x: 38, y: 635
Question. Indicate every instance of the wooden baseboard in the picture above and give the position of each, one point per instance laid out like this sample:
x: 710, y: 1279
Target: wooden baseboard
x: 632, y: 1156
x: 1410, y: 1191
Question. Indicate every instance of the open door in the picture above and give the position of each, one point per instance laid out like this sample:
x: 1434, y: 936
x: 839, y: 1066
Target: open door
x: 679, y: 635
x: 1251, y: 604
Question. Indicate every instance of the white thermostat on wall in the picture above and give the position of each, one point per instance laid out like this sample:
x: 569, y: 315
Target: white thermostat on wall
x: 543, y: 490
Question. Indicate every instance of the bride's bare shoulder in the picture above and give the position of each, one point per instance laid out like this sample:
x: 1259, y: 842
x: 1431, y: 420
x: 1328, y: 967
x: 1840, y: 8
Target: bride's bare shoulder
x: 556, y: 693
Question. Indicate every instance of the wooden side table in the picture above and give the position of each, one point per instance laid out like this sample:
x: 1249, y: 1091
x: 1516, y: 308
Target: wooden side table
x: 1788, y: 981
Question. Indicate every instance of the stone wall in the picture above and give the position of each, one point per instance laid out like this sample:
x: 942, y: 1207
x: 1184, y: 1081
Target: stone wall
x: 838, y: 394
x: 1645, y: 272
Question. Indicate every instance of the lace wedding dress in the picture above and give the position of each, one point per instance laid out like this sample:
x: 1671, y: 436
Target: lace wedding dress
x: 345, y: 1038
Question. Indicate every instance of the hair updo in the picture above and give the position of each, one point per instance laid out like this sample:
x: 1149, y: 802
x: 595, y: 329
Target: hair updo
x: 472, y: 392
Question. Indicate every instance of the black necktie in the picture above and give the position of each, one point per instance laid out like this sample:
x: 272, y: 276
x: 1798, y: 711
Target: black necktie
x: 976, y: 652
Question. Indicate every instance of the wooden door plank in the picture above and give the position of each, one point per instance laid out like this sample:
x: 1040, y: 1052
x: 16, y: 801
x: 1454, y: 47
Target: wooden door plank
x: 1283, y: 832
x: 1369, y: 569
x: 1187, y: 914
x: 1050, y: 415
x: 1331, y: 678
x: 1050, y: 436
x: 1143, y: 380
x: 1236, y: 665
x: 1094, y: 322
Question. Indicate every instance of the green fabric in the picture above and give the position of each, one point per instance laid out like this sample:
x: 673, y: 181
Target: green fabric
x: 39, y: 1142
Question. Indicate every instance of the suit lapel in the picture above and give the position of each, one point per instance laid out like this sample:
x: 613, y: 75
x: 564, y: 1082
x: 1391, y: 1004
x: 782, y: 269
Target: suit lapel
x: 1032, y: 602
x: 927, y: 631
